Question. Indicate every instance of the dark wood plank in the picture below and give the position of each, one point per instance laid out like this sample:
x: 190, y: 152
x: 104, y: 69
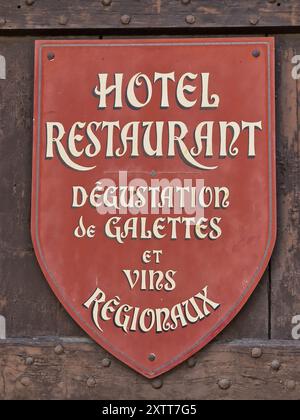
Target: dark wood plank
x: 16, y: 144
x: 148, y: 14
x: 285, y: 267
x: 253, y: 320
x: 34, y: 370
x: 26, y: 300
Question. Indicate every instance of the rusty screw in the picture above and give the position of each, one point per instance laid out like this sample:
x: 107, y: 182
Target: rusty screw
x: 29, y: 361
x: 106, y: 362
x: 190, y: 19
x: 30, y: 2
x: 91, y: 382
x: 272, y: 1
x: 59, y: 349
x: 256, y: 353
x: 224, y: 384
x: 106, y: 2
x: 125, y: 19
x: 157, y: 383
x: 185, y: 1
x: 63, y: 20
x: 152, y: 357
x: 50, y: 56
x: 256, y: 53
x: 276, y: 365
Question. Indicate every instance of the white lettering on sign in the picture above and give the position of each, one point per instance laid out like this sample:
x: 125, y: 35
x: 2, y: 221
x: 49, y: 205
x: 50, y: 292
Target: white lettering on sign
x: 131, y: 319
x: 296, y: 68
x: 146, y: 138
x: 165, y: 79
x: 296, y: 329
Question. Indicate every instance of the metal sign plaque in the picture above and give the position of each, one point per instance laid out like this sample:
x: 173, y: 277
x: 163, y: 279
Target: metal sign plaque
x: 153, y: 203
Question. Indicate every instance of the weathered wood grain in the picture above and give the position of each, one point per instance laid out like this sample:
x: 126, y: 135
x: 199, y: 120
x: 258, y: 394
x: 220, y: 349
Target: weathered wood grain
x: 148, y: 14
x: 26, y: 301
x: 285, y: 267
x: 15, y: 144
x: 253, y: 320
x: 35, y: 370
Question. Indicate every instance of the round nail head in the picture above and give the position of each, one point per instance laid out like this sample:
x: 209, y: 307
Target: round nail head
x: 256, y: 353
x: 157, y: 383
x: 275, y: 365
x: 190, y: 19
x: 254, y: 20
x: 256, y: 53
x: 224, y: 384
x: 291, y: 385
x: 63, y: 20
x: 125, y: 19
x: 50, y: 56
x: 25, y: 381
x: 29, y: 361
x: 59, y: 349
x: 192, y: 362
x: 152, y: 357
x: 106, y: 362
x: 91, y: 382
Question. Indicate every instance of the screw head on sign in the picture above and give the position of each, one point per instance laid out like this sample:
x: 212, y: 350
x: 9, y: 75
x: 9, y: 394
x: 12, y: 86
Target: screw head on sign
x: 185, y: 1
x: 152, y: 357
x: 106, y: 2
x: 30, y: 2
x: 50, y: 56
x: 256, y: 53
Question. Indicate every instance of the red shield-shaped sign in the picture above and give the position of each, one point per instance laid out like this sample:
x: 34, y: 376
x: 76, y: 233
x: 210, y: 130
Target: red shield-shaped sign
x: 153, y: 204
